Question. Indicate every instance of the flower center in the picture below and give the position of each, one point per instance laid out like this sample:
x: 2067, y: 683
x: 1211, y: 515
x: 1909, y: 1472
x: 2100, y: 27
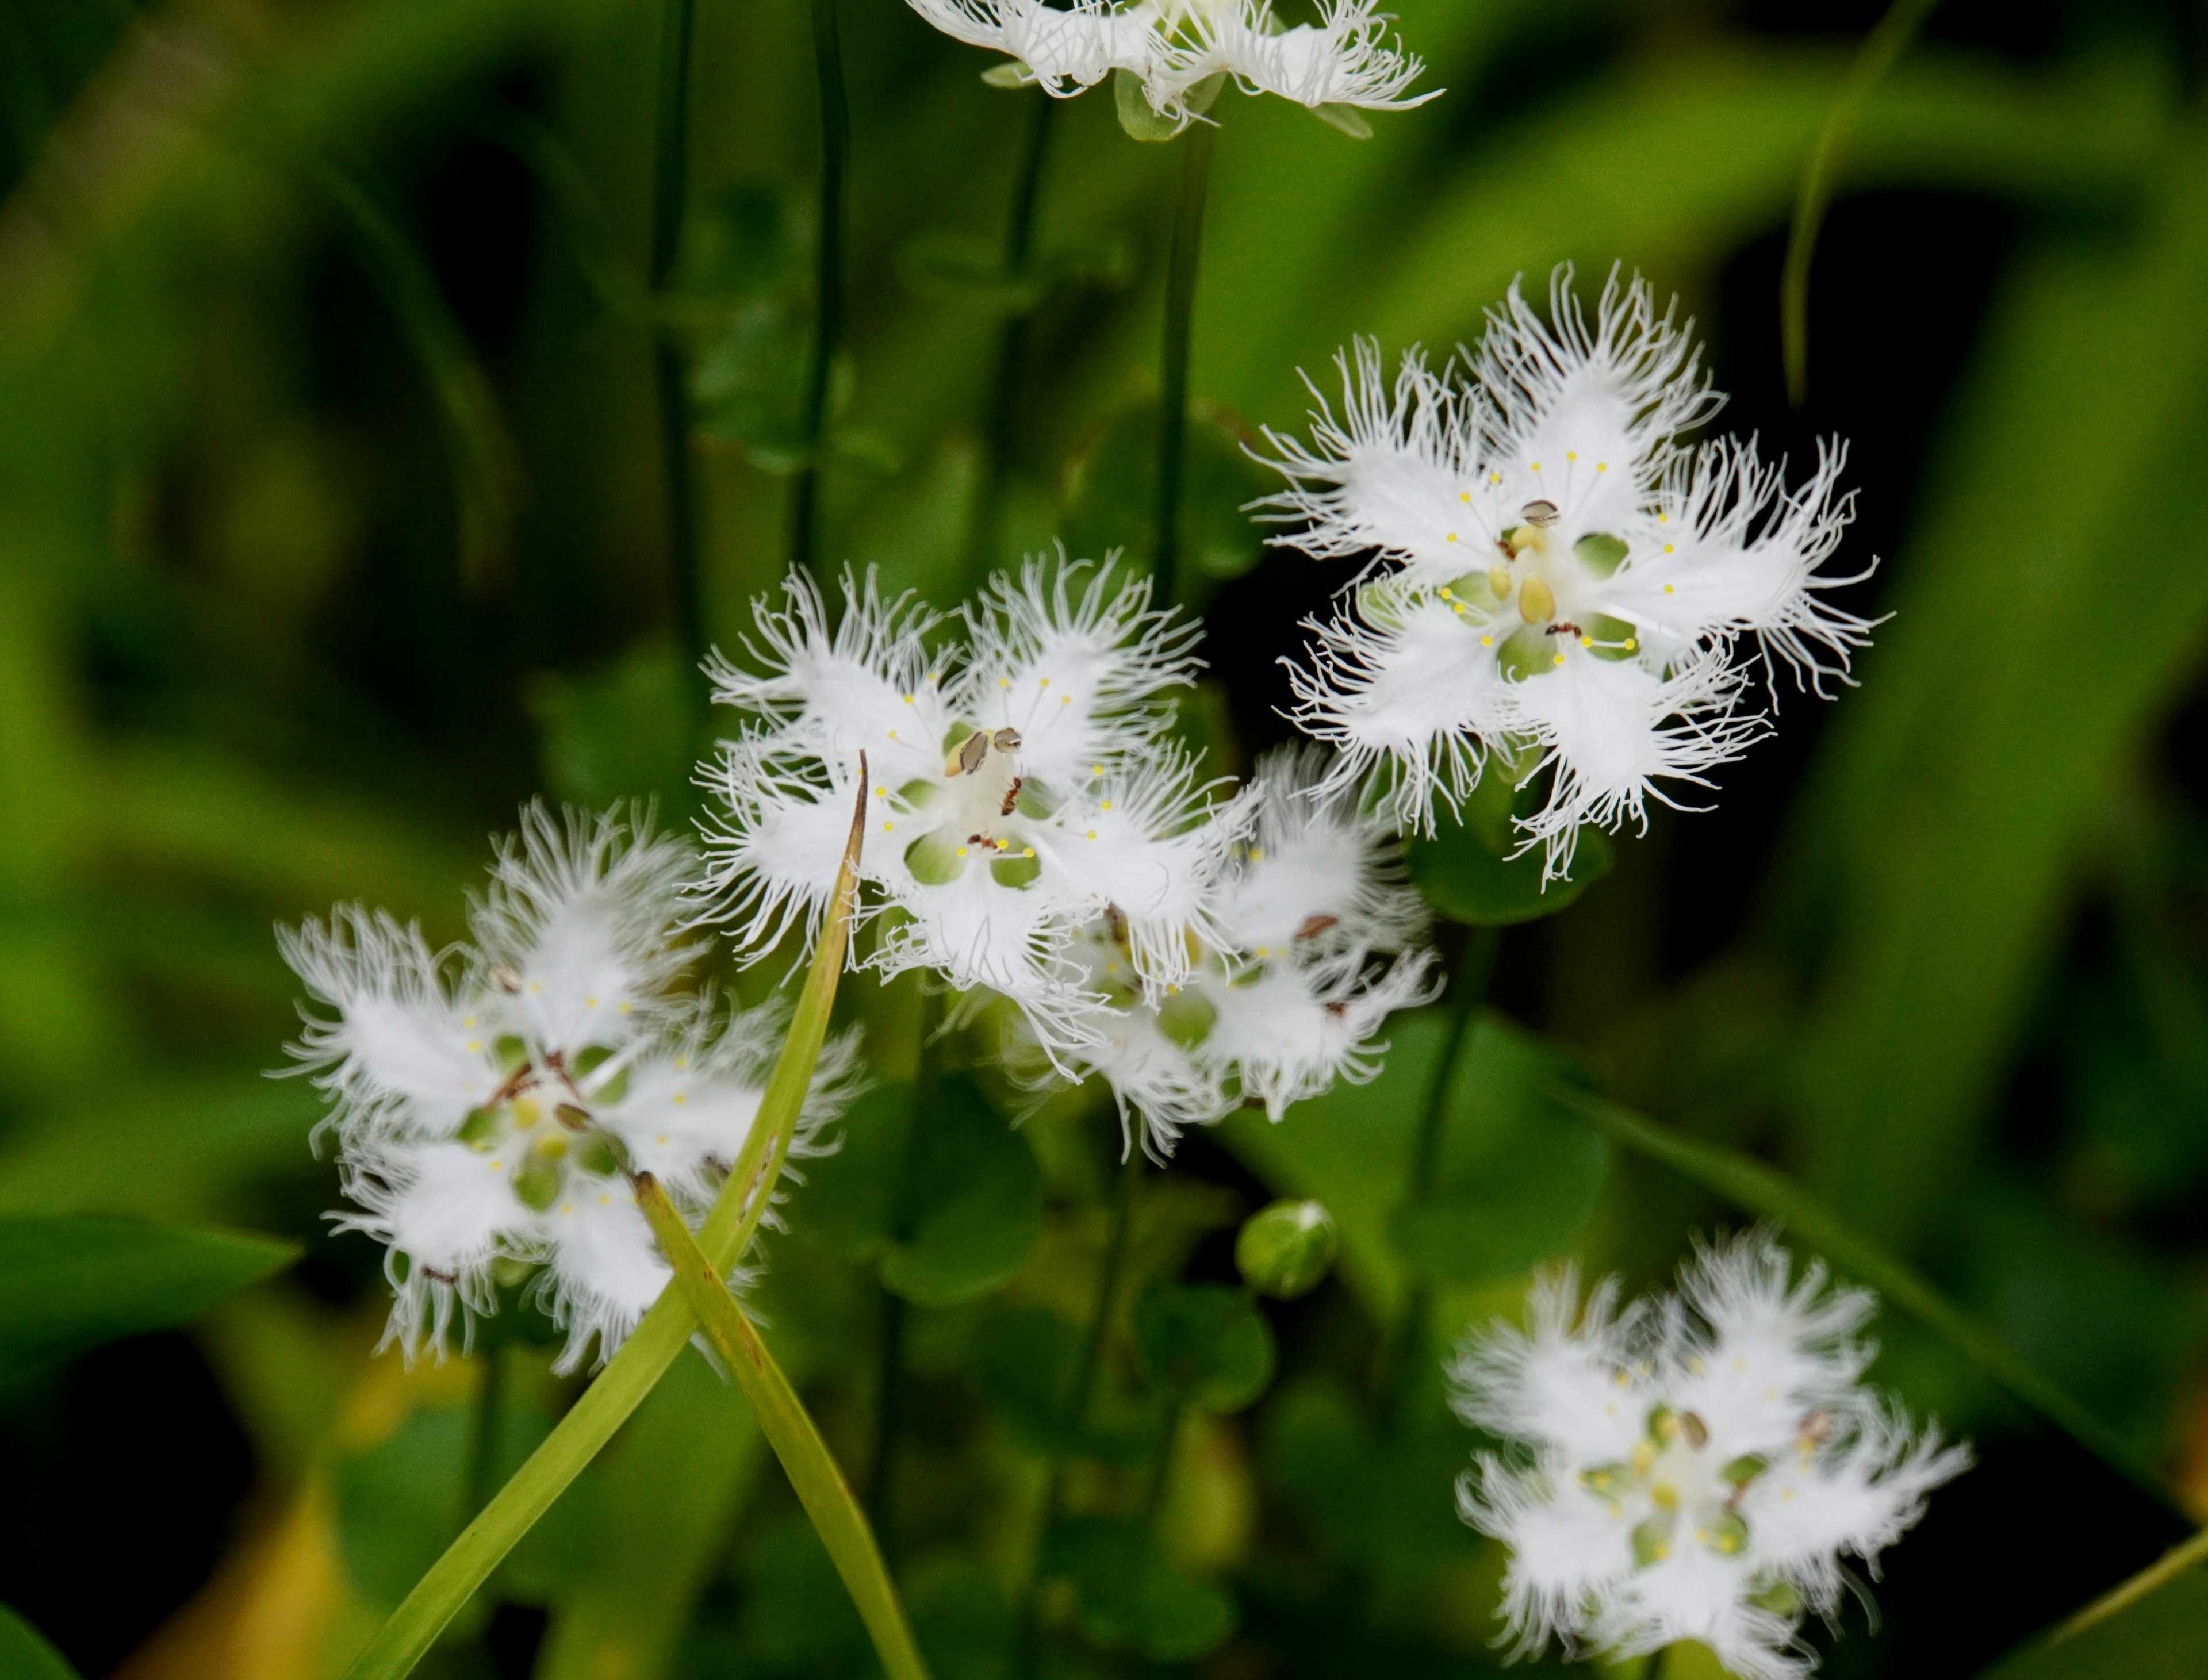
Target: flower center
x: 982, y: 780
x: 1538, y: 600
x: 537, y: 1131
x: 1683, y: 1489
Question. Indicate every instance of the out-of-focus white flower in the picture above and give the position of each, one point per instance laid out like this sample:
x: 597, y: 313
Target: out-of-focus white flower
x: 1316, y: 940
x: 1020, y: 783
x: 1560, y: 583
x: 1694, y: 1467
x: 489, y: 1100
x: 1178, y: 49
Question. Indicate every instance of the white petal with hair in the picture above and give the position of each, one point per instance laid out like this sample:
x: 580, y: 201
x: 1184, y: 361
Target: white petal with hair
x: 1694, y: 1467
x: 1019, y: 787
x: 1559, y: 586
x: 490, y: 1102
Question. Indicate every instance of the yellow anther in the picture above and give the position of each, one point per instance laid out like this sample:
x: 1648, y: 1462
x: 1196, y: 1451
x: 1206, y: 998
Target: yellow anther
x: 1663, y: 1497
x: 1107, y: 805
x: 680, y: 1099
x: 1042, y: 683
x: 1457, y: 606
x: 908, y: 700
x: 1464, y: 495
x: 1632, y: 644
x: 624, y: 1009
x: 590, y: 1003
x: 1602, y: 467
x: 1092, y: 834
x: 961, y: 851
x: 1667, y: 589
x: 881, y: 793
x: 474, y: 1044
x: 1536, y: 466
x: 1494, y: 477
x: 1571, y: 454
x: 1498, y: 582
x: 1667, y: 548
x: 495, y: 1165
x: 1097, y: 770
x: 1452, y: 537
x: 1030, y: 852
x: 1447, y: 593
x: 1560, y: 659
x: 892, y: 735
x: 1537, y: 602
x: 1065, y: 699
x: 1003, y: 682
x: 1586, y: 641
x: 1487, y: 641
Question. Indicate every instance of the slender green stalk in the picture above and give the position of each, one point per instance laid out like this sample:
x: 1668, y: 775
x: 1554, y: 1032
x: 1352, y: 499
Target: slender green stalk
x: 1012, y: 340
x: 1884, y: 45
x: 2185, y: 1555
x: 1466, y: 990
x: 1080, y: 1394
x: 1173, y: 383
x: 1749, y: 1184
x: 889, y: 1407
x: 654, y: 1344
x: 828, y: 281
x: 482, y: 1429
x: 789, y: 1430
x: 671, y: 192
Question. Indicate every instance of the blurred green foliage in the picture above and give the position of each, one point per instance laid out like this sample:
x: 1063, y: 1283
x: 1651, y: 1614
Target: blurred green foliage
x: 334, y: 522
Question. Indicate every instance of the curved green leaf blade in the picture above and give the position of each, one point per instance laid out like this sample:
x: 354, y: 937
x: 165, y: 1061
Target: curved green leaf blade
x: 73, y: 1284
x: 25, y: 1654
x: 1752, y: 1185
x: 666, y: 1328
x: 2153, y: 1627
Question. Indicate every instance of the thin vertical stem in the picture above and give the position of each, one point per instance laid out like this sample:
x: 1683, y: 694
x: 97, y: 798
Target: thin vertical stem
x: 1885, y: 43
x: 1172, y: 393
x: 482, y: 1431
x: 889, y: 1401
x: 1012, y: 341
x: 1466, y: 989
x: 671, y: 192
x: 1081, y: 1392
x: 828, y: 281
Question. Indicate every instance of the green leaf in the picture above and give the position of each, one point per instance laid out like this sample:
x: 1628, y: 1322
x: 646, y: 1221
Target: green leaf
x: 1110, y: 504
x: 2154, y: 1627
x: 972, y: 1204
x: 1461, y: 876
x: 790, y: 1430
x: 1501, y: 1147
x: 1928, y: 868
x: 26, y: 1655
x: 656, y: 1341
x: 1128, y: 1596
x: 1750, y: 1185
x: 665, y: 1499
x: 75, y: 1283
x: 1203, y: 1344
x: 627, y: 730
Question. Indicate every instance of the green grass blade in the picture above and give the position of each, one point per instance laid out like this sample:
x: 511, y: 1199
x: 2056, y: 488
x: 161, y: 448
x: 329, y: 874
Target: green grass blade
x: 789, y: 1430
x: 1885, y: 43
x: 645, y: 1357
x: 1752, y: 1185
x: 2185, y: 1555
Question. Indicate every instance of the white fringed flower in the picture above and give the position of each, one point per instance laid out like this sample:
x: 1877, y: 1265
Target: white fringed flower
x: 1020, y: 784
x: 1317, y: 942
x: 1178, y: 49
x: 488, y: 1101
x: 1692, y: 1467
x: 1560, y: 583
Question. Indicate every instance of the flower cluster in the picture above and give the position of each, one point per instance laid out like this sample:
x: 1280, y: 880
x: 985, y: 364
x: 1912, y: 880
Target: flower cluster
x: 489, y: 1100
x: 1692, y: 1466
x: 1036, y: 832
x: 1561, y: 583
x: 1318, y: 938
x: 1023, y: 782
x: 1178, y: 50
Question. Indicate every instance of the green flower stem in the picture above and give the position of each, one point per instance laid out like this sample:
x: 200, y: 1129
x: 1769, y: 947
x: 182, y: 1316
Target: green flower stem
x: 655, y: 1343
x: 670, y: 189
x: 789, y: 1430
x: 1750, y: 1185
x: 1467, y: 990
x: 1884, y: 45
x: 2185, y: 1555
x: 1012, y: 340
x: 828, y: 281
x: 1173, y: 396
x: 1081, y: 1394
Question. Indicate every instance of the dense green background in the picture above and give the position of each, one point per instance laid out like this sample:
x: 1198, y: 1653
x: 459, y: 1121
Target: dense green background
x: 334, y: 524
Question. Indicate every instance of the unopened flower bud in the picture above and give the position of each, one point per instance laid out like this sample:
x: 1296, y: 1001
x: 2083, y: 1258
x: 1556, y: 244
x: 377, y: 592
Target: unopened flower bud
x: 1287, y: 1250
